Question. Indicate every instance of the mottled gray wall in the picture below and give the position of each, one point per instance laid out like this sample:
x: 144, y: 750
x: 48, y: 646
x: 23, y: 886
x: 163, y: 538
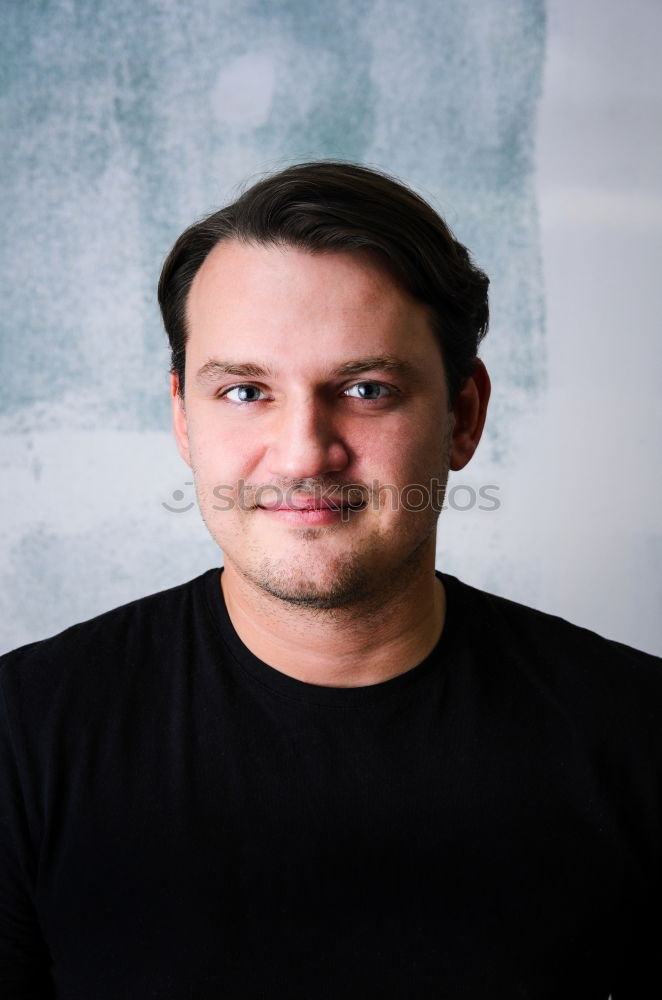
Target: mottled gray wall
x: 125, y: 120
x: 121, y: 123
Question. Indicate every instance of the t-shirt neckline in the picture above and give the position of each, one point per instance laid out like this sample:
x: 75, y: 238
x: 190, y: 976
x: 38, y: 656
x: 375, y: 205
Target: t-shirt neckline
x: 277, y: 681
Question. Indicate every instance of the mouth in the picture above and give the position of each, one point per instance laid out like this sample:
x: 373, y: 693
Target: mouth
x: 313, y: 510
x: 303, y: 503
x: 314, y: 505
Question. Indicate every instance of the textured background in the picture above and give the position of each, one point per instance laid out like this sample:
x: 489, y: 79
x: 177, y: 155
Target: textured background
x: 532, y: 127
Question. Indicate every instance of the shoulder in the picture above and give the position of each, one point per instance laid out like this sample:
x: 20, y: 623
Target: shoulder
x: 524, y: 626
x: 112, y: 641
x: 583, y: 673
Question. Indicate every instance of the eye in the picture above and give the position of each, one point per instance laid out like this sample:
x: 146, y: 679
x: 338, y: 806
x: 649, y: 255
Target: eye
x: 368, y: 390
x: 243, y: 394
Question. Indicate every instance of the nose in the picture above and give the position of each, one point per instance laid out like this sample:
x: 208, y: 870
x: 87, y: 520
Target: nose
x: 304, y: 442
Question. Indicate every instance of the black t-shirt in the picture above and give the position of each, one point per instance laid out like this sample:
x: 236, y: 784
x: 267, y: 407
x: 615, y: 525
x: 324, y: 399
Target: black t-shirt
x: 181, y: 820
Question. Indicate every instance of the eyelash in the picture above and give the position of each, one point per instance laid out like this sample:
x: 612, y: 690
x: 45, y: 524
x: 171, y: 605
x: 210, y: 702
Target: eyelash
x: 249, y: 385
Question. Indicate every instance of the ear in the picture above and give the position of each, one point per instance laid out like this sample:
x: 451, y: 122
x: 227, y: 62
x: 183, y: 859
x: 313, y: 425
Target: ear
x: 179, y: 422
x: 469, y: 414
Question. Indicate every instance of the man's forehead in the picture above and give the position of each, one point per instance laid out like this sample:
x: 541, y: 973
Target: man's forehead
x: 324, y: 315
x: 235, y: 275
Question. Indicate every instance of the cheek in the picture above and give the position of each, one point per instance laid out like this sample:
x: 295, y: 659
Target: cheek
x: 221, y: 452
x: 410, y: 451
x: 430, y: 439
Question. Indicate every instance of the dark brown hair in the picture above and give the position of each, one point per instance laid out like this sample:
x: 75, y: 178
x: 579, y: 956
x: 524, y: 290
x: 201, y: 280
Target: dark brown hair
x: 330, y: 206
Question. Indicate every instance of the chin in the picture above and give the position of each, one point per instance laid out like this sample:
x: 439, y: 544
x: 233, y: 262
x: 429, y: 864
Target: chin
x: 338, y: 582
x: 314, y: 571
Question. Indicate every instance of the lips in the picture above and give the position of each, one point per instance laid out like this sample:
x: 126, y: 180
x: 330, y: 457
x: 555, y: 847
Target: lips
x: 312, y: 504
x: 316, y: 503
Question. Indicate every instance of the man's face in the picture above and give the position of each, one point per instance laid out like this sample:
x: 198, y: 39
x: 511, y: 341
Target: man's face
x: 306, y: 373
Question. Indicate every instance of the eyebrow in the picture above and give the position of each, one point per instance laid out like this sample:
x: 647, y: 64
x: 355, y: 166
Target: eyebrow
x: 214, y: 369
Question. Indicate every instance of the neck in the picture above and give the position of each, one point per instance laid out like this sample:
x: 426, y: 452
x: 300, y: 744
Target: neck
x: 385, y: 635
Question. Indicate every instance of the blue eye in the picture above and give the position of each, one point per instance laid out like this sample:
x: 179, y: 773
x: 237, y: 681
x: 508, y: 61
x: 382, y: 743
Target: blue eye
x: 368, y: 390
x: 245, y: 394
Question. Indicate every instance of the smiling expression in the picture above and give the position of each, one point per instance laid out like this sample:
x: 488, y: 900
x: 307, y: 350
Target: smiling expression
x: 315, y: 395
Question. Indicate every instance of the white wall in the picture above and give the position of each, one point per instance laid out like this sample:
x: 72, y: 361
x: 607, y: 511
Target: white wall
x: 580, y: 530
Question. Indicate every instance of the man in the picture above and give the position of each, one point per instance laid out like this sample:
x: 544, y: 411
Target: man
x: 329, y: 771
